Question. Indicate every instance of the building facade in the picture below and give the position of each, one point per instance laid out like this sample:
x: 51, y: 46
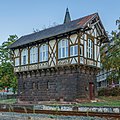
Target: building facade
x: 60, y: 62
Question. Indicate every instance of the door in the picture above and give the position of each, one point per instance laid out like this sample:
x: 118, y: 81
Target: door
x: 91, y: 90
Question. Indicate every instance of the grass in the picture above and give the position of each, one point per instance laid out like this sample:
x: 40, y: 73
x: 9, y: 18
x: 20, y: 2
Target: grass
x: 102, y: 101
x: 106, y: 103
x: 8, y: 101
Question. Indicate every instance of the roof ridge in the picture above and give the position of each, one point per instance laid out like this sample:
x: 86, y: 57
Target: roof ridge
x: 59, y: 24
x: 53, y: 31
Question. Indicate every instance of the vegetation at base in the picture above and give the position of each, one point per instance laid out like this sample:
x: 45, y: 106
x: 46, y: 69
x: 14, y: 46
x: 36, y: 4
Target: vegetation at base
x: 7, y: 77
x: 105, y: 101
x: 102, y: 101
x: 110, y: 55
x: 113, y: 91
x: 111, y: 101
x: 8, y: 101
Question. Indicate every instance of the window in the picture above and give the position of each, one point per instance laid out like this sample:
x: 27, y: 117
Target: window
x: 63, y: 49
x: 74, y: 50
x: 24, y: 55
x: 44, y: 53
x: 34, y: 55
x: 17, y: 62
x: 90, y: 49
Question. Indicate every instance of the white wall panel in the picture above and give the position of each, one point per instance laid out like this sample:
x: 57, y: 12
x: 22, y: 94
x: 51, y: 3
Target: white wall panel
x: 85, y: 49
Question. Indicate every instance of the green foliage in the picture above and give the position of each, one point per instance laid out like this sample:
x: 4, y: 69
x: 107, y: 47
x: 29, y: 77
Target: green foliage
x: 8, y: 101
x: 114, y: 91
x: 110, y: 56
x: 4, y: 51
x: 7, y: 77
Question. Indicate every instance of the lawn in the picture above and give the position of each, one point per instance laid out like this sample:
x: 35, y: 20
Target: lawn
x: 8, y: 101
x: 101, y: 101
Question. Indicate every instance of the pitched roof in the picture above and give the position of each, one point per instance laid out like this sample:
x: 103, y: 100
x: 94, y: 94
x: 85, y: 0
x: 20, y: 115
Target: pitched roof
x: 53, y: 31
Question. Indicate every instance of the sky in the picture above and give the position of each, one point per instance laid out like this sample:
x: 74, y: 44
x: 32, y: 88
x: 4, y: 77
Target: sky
x: 20, y: 17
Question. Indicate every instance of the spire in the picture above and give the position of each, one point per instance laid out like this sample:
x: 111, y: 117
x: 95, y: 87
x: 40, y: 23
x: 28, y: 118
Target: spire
x: 67, y: 16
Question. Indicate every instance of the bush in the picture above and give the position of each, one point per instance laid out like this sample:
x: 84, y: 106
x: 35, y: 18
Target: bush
x: 114, y: 91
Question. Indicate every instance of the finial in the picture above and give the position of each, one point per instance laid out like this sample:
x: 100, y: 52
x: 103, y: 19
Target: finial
x: 67, y: 16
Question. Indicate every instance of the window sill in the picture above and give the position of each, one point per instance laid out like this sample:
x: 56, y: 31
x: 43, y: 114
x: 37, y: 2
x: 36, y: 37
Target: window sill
x: 43, y: 61
x: 63, y: 58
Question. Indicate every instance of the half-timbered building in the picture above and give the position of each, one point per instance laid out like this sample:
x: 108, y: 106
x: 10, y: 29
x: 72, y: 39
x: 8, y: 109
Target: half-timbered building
x: 60, y: 62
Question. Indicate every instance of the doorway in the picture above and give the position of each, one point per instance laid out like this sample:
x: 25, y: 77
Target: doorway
x: 91, y: 91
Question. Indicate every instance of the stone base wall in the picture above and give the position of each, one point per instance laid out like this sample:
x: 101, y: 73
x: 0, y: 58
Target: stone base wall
x: 64, y: 83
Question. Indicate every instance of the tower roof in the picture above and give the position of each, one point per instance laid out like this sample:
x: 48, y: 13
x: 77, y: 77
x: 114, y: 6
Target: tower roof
x: 67, y: 16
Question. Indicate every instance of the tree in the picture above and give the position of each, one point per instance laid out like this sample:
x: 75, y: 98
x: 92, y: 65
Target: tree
x: 7, y: 77
x: 4, y: 51
x: 110, y: 55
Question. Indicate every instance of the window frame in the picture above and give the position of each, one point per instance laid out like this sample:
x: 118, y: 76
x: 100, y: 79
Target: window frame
x: 90, y: 48
x: 34, y: 55
x: 24, y: 56
x: 63, y: 49
x: 43, y: 53
x: 17, y: 61
x: 73, y: 50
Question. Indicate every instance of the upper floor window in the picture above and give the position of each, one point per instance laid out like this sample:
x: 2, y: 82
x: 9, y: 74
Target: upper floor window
x: 17, y: 62
x: 34, y: 55
x: 24, y: 56
x: 90, y: 49
x: 63, y: 48
x: 44, y: 53
x: 74, y: 50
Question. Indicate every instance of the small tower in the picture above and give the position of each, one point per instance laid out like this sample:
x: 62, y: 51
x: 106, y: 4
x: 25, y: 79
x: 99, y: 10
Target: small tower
x: 67, y: 16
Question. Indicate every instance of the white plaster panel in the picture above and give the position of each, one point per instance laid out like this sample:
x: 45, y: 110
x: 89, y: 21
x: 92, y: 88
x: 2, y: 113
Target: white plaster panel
x: 63, y: 62
x: 16, y: 69
x: 85, y: 36
x: 81, y: 60
x: 90, y: 62
x: 93, y: 34
x: 81, y: 41
x: 85, y: 49
x: 73, y: 38
x: 33, y: 67
x: 74, y: 60
x: 17, y: 53
x: 95, y: 52
x: 95, y: 41
x: 98, y: 64
x: 95, y: 31
x: 52, y: 43
x: 24, y: 68
x: 98, y: 53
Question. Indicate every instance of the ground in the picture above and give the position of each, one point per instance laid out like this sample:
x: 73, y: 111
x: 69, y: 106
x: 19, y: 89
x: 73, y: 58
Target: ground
x: 101, y: 101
